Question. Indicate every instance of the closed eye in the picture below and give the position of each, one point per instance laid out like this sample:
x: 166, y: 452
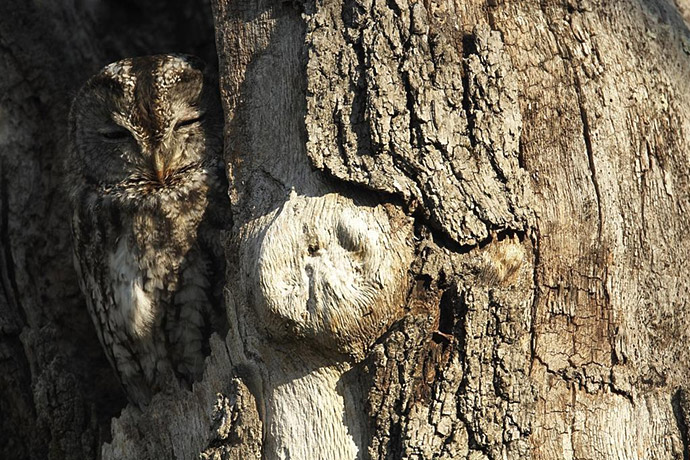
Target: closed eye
x: 189, y: 121
x: 114, y: 134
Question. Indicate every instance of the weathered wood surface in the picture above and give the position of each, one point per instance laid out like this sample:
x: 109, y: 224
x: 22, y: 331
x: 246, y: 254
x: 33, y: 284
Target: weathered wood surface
x: 541, y: 150
x: 460, y: 233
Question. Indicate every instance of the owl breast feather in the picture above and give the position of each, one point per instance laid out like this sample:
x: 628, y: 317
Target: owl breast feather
x: 136, y: 307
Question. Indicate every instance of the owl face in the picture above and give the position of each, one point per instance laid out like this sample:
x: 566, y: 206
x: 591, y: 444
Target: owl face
x: 144, y: 122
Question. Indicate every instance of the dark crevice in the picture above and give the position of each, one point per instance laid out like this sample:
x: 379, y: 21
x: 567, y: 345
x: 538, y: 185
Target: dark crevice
x: 416, y: 135
x: 500, y: 175
x: 469, y: 47
x: 444, y: 241
x: 535, y: 237
x: 617, y: 391
x: 394, y: 7
x: 501, y: 235
x: 679, y: 403
x: 590, y: 152
x: 72, y: 385
x: 340, y: 135
x: 402, y: 162
x: 358, y: 119
x: 460, y: 331
x: 448, y: 306
x: 521, y: 155
x: 9, y: 281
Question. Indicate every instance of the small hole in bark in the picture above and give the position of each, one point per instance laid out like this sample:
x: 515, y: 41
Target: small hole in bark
x: 313, y: 249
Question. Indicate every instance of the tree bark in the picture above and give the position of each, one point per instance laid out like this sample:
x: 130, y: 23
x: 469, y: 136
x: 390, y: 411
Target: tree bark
x: 460, y: 232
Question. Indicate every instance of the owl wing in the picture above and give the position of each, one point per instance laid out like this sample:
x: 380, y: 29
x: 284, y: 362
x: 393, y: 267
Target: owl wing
x: 198, y: 305
x: 107, y: 295
x: 187, y: 328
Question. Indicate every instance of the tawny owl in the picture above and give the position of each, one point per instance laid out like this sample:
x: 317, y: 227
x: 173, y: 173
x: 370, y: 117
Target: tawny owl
x: 149, y: 197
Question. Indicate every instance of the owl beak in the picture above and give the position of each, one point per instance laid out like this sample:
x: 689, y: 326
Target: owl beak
x: 160, y: 174
x: 159, y: 167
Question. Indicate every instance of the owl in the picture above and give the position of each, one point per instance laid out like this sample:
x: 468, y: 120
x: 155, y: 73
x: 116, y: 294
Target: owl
x: 149, y: 202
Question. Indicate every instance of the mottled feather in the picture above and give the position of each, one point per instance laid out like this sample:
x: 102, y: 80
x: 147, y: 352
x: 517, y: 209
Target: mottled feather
x: 148, y: 192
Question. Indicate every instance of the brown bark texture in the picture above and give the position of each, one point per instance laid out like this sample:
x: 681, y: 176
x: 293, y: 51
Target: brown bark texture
x: 513, y: 177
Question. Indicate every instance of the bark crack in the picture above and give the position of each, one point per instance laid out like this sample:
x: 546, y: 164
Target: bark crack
x: 586, y: 134
x: 535, y: 300
x: 679, y: 402
x: 7, y: 266
x: 469, y: 47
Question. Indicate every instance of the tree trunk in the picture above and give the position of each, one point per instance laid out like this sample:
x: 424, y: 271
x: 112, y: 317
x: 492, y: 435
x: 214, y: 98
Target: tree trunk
x: 460, y: 232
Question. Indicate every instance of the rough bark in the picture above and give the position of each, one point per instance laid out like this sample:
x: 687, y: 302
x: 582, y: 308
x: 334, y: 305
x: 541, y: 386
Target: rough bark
x: 460, y: 232
x: 541, y: 151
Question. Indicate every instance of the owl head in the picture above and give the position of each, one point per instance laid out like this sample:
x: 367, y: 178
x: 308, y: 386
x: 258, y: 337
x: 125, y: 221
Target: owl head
x: 143, y: 122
